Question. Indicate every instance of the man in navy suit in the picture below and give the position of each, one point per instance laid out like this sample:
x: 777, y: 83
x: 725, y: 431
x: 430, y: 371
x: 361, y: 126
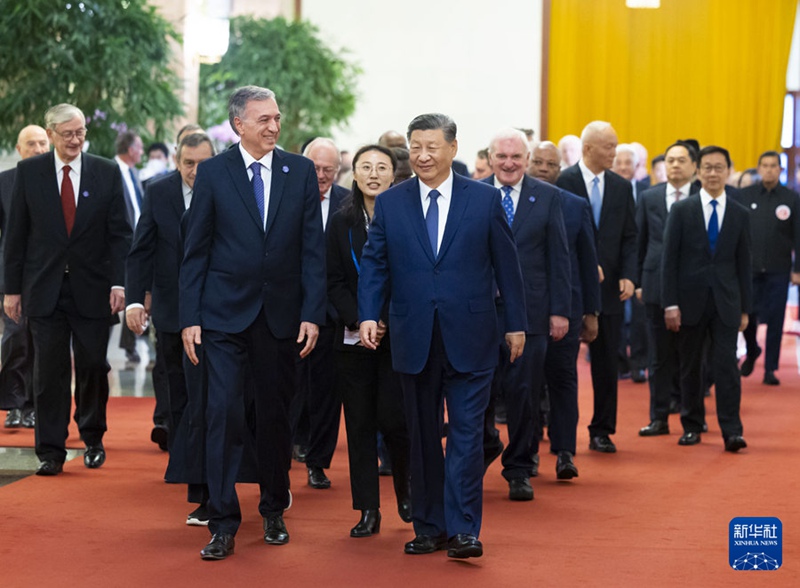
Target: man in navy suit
x: 316, y: 407
x: 651, y: 219
x: 439, y: 248
x: 707, y: 294
x: 152, y: 273
x: 252, y: 291
x: 65, y: 267
x: 16, y: 373
x: 611, y: 199
x: 533, y: 211
x: 561, y: 371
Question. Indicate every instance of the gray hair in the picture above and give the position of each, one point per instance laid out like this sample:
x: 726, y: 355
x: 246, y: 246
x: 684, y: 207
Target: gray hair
x: 195, y: 139
x: 509, y: 133
x: 241, y: 96
x: 322, y: 142
x: 628, y: 148
x: 594, y: 128
x: 61, y: 113
x: 434, y: 122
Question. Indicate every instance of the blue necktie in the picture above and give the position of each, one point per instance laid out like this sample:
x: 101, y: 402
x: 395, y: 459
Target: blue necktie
x: 596, y: 200
x: 508, y: 204
x: 713, y: 227
x: 136, y: 188
x: 432, y: 221
x: 258, y: 188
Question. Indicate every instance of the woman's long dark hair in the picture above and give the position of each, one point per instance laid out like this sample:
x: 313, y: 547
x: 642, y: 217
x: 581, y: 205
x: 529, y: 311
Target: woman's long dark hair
x: 353, y: 206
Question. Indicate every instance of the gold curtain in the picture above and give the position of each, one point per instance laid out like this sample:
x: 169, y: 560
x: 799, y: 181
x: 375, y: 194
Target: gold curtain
x: 712, y: 70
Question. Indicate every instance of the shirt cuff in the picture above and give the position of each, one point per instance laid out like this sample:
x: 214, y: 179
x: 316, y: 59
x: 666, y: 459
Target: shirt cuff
x: 676, y: 307
x: 134, y: 305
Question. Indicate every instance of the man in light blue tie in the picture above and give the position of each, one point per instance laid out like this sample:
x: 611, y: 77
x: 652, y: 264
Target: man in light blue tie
x: 439, y: 248
x: 706, y: 285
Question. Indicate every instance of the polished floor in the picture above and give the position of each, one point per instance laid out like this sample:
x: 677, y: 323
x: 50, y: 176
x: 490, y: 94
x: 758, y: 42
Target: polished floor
x: 125, y: 379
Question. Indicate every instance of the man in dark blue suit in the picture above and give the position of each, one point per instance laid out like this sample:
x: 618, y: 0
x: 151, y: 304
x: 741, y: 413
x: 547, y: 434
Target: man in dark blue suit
x: 439, y: 248
x: 707, y: 293
x: 611, y: 199
x: 252, y: 291
x: 152, y: 274
x: 533, y: 211
x: 561, y: 373
x: 316, y: 408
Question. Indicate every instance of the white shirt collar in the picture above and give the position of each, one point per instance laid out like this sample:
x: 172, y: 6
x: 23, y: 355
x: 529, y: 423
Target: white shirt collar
x: 684, y: 190
x: 515, y: 188
x: 445, y: 188
x: 706, y: 198
x: 266, y: 161
x: 74, y: 165
x: 589, y: 175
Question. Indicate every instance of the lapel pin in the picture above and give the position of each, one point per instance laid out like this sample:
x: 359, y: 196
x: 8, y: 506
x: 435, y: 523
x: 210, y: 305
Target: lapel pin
x: 85, y: 194
x: 285, y: 169
x: 532, y: 198
x: 754, y: 206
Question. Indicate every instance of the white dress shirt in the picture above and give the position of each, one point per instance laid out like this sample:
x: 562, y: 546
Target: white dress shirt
x: 446, y: 191
x: 187, y: 195
x: 266, y: 175
x: 588, y: 178
x: 672, y: 191
x: 325, y: 205
x: 131, y: 190
x: 706, y: 199
x: 516, y: 191
x: 74, y: 174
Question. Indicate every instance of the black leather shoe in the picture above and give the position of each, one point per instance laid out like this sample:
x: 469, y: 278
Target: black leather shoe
x: 369, y: 524
x: 422, y: 544
x: 220, y: 547
x: 464, y: 545
x: 49, y: 467
x: 299, y: 453
x: 565, y: 467
x: 28, y: 418
x: 639, y: 376
x: 749, y: 363
x: 275, y: 532
x: 656, y: 427
x: 603, y: 444
x: 492, y: 453
x: 94, y: 457
x: 404, y: 510
x: 689, y: 439
x: 520, y: 489
x: 13, y: 418
x: 317, y: 479
x: 735, y: 443
x: 160, y: 436
x: 770, y: 379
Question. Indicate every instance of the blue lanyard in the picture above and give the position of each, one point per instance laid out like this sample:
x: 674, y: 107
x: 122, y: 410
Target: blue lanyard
x: 353, y: 253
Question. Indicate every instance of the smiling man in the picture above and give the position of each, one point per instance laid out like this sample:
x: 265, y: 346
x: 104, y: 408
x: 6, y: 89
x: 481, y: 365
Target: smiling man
x: 439, y: 248
x: 252, y: 291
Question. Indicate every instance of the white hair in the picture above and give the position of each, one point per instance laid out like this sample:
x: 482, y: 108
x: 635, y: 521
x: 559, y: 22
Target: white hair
x: 322, y: 142
x: 61, y: 113
x: 627, y: 148
x: 509, y: 133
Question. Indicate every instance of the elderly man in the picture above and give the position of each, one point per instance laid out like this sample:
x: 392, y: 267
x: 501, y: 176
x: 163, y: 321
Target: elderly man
x: 533, y: 211
x: 16, y: 377
x: 612, y: 210
x: 65, y: 266
x: 439, y: 248
x: 561, y: 372
x: 252, y: 291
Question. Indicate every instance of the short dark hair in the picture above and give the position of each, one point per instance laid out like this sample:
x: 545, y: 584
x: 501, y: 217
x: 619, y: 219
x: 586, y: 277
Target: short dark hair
x: 194, y: 140
x: 124, y: 141
x: 774, y: 154
x: 686, y: 145
x: 657, y: 159
x: 158, y: 146
x: 188, y: 128
x: 484, y: 154
x: 433, y: 122
x: 709, y: 149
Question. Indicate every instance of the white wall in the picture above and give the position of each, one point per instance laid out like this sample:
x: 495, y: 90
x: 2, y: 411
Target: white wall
x: 480, y: 63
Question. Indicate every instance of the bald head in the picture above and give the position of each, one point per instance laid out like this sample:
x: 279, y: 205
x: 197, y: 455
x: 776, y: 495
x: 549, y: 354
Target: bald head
x: 599, y: 146
x: 392, y: 139
x: 546, y: 162
x: 327, y: 159
x: 32, y: 140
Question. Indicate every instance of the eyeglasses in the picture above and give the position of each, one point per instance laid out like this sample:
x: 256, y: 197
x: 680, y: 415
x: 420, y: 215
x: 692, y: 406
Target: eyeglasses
x: 328, y: 171
x: 549, y: 164
x: 707, y: 169
x: 380, y: 169
x: 69, y: 135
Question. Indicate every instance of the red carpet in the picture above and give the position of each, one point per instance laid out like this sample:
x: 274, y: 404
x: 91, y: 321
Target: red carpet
x: 654, y: 514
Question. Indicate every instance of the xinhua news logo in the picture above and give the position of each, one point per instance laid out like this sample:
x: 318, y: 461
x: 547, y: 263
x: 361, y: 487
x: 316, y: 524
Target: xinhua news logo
x: 755, y: 543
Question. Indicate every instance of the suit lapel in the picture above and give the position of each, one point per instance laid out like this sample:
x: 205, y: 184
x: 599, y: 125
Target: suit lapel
x: 176, y: 195
x: 238, y: 174
x: 51, y: 195
x: 458, y: 204
x: 276, y: 187
x: 418, y: 218
x: 701, y: 222
x: 86, y: 192
x: 527, y: 200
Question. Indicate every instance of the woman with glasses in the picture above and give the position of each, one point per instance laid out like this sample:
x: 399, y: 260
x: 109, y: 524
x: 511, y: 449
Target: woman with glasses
x: 369, y: 388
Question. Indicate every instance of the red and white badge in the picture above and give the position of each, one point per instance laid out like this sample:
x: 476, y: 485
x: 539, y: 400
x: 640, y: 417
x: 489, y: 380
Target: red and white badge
x: 783, y: 212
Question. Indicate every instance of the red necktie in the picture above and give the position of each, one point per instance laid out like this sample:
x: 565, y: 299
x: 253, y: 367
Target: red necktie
x: 68, y: 200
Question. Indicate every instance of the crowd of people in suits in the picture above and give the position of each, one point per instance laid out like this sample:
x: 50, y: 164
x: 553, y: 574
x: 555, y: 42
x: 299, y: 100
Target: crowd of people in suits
x: 279, y: 298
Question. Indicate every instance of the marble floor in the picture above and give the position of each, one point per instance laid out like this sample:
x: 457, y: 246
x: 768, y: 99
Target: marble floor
x: 125, y: 379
